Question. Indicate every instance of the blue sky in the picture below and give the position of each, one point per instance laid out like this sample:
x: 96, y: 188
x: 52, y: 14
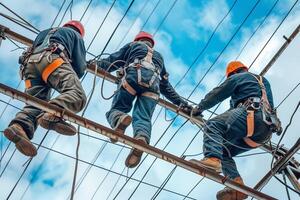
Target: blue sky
x: 180, y: 39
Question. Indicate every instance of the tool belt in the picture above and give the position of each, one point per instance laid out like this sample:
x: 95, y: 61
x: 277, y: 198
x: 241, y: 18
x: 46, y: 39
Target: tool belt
x: 30, y: 56
x: 252, y: 104
x: 269, y: 115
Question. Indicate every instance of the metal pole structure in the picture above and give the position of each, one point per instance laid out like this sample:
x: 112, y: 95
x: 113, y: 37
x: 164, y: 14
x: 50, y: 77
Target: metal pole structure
x: 279, y: 52
x: 290, y: 173
x: 91, y: 125
x: 279, y: 165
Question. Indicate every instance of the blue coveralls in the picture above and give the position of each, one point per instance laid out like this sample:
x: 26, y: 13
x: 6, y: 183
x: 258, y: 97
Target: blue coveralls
x: 144, y: 106
x: 224, y: 133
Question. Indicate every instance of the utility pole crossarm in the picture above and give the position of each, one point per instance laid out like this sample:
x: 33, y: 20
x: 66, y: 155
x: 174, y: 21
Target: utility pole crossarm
x: 91, y: 125
x: 281, y: 50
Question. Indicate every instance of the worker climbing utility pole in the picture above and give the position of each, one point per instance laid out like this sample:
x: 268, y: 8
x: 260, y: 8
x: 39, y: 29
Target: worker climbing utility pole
x: 248, y: 124
x: 55, y: 60
x: 143, y: 77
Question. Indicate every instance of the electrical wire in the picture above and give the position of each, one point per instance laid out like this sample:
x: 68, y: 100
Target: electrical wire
x: 257, y: 28
x: 10, y: 10
x: 89, y: 4
x: 273, y: 33
x: 286, y: 188
x: 25, y: 168
x: 98, y: 30
x: 207, y: 72
x: 151, y: 13
x: 132, y: 24
x: 165, y: 17
x: 99, y: 167
x: 88, y: 101
x: 283, y: 134
x: 223, y: 50
x: 206, y: 44
x: 112, y: 34
x: 285, y: 98
x: 60, y: 8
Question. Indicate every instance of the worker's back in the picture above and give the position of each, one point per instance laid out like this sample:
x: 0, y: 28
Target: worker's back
x: 246, y: 85
x: 72, y: 42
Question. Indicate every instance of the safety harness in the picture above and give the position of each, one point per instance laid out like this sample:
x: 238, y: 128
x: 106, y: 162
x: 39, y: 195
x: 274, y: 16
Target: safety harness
x: 253, y: 104
x: 138, y: 64
x: 44, y: 49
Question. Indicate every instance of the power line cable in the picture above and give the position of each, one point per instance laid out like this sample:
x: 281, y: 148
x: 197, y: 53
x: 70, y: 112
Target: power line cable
x: 151, y: 13
x: 273, y: 33
x: 165, y: 17
x: 206, y: 44
x: 99, y: 167
x: 10, y: 10
x: 285, y: 98
x: 225, y: 47
x: 257, y: 28
x: 55, y: 18
x: 90, y: 2
x: 88, y: 101
x: 132, y: 24
x: 105, y: 17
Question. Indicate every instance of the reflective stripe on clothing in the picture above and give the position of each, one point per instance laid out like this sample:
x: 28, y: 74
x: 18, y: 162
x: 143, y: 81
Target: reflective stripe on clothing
x: 51, y: 68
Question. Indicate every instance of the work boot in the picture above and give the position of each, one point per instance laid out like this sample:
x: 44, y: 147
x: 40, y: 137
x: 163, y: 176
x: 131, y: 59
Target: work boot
x: 123, y: 122
x: 135, y: 155
x: 231, y: 194
x: 209, y: 163
x: 17, y: 135
x: 52, y: 122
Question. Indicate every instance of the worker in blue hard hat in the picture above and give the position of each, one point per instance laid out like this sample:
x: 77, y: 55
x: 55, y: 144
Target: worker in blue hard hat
x: 144, y: 78
x: 248, y: 124
x: 55, y: 60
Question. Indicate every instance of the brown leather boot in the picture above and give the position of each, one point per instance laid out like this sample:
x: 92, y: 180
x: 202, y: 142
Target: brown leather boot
x: 209, y: 163
x: 52, y: 122
x: 230, y: 194
x: 17, y: 135
x: 123, y: 122
x: 135, y: 155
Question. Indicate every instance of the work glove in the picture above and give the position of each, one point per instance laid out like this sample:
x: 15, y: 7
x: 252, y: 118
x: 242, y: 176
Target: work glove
x: 185, y: 107
x: 91, y: 62
x: 197, y: 112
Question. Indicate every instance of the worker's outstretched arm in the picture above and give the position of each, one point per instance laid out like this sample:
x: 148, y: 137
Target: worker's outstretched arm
x: 167, y: 89
x: 119, y: 55
x: 218, y: 94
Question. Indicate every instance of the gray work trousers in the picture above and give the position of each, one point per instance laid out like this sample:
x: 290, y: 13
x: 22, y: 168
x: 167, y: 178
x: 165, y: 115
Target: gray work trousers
x: 63, y: 79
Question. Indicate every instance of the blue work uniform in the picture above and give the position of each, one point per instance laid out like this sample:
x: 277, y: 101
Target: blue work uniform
x: 64, y: 78
x: 144, y: 106
x: 224, y: 134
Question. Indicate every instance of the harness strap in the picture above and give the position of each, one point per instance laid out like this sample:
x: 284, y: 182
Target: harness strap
x: 32, y: 82
x: 149, y: 55
x: 51, y: 68
x: 251, y: 143
x: 132, y: 91
x: 250, y: 123
x: 151, y: 95
x: 128, y: 87
x: 263, y: 91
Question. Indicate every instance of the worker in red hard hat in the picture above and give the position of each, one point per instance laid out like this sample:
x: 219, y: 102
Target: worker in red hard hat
x: 248, y: 124
x: 55, y: 60
x: 144, y: 78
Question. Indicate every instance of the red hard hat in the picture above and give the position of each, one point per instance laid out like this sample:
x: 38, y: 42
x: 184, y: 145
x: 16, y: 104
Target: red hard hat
x: 76, y: 24
x: 144, y: 35
x: 234, y: 66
